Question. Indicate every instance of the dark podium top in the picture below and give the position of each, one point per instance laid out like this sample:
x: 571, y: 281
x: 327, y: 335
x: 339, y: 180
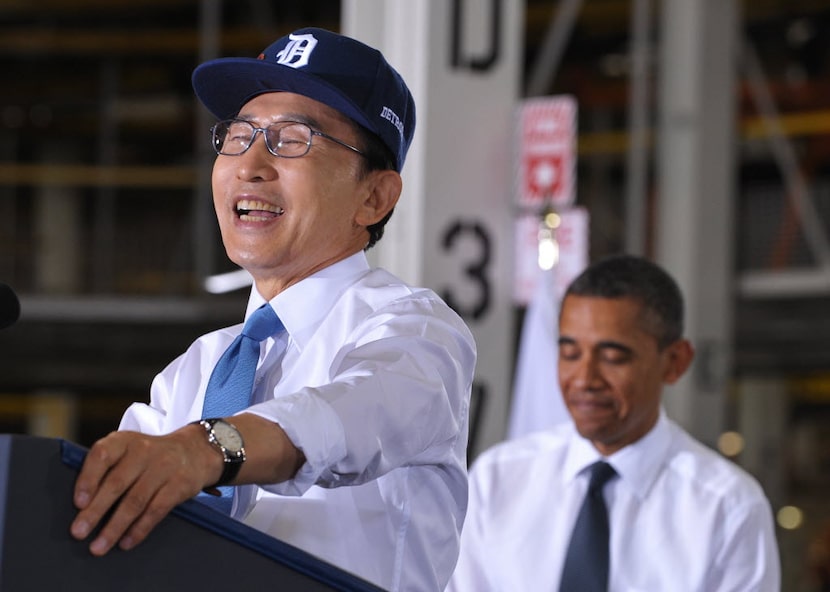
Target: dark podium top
x: 194, y: 548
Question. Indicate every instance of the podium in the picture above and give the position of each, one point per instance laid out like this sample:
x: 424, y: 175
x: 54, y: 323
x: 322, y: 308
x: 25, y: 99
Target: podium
x: 193, y: 548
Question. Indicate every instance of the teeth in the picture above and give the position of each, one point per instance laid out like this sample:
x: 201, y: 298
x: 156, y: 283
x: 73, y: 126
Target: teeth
x: 248, y: 205
x: 251, y: 218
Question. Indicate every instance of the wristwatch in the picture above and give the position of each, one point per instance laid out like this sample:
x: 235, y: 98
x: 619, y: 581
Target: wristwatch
x: 227, y: 439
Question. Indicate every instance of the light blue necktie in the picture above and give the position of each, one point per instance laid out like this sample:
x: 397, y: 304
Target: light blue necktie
x: 587, y: 562
x: 232, y: 381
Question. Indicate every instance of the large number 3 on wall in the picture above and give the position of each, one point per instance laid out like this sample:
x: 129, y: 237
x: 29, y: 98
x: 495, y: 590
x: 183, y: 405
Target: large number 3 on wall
x: 475, y: 270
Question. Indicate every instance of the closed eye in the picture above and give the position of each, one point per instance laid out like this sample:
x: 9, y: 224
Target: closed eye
x: 615, y: 353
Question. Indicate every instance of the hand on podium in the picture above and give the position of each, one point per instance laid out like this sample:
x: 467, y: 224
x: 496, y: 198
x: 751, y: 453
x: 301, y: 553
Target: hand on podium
x: 142, y: 478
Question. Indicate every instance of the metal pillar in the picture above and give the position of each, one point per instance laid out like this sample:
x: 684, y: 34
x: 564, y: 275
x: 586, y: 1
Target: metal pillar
x: 205, y: 237
x: 638, y: 126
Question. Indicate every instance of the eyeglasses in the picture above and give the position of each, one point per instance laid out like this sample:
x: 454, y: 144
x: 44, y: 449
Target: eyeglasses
x: 286, y: 139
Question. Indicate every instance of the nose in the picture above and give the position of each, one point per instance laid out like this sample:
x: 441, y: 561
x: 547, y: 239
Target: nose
x: 583, y: 373
x: 256, y: 163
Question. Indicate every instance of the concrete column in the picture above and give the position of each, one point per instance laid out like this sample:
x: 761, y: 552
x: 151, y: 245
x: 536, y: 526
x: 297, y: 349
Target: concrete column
x: 58, y: 235
x: 695, y: 166
x: 452, y: 229
x: 762, y: 421
x: 52, y: 414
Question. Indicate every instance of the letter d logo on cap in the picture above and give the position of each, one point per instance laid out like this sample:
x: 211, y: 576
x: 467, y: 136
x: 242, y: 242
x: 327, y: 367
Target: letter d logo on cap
x: 297, y: 52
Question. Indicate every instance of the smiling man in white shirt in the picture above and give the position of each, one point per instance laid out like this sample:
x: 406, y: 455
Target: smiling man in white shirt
x: 355, y: 428
x: 679, y: 516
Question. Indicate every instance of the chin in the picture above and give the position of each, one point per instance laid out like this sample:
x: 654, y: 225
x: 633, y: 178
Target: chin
x: 244, y: 257
x: 592, y: 431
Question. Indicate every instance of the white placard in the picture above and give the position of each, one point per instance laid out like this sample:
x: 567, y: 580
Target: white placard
x: 572, y: 238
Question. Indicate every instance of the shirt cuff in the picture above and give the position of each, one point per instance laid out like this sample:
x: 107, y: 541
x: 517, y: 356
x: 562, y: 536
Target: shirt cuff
x: 312, y: 426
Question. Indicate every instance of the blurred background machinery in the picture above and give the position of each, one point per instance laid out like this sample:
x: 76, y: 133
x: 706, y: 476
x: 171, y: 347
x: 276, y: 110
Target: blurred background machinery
x: 107, y: 231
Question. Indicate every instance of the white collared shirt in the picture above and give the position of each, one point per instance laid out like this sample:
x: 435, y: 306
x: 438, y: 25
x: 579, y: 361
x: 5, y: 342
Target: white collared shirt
x: 372, y: 381
x: 682, y: 518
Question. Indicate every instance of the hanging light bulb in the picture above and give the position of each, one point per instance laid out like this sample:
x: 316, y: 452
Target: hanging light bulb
x: 548, y: 246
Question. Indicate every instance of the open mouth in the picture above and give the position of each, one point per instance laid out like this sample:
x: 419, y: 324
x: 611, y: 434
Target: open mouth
x: 253, y: 210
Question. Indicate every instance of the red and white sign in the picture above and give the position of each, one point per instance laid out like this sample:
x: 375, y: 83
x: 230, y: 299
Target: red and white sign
x: 547, y: 145
x: 572, y: 239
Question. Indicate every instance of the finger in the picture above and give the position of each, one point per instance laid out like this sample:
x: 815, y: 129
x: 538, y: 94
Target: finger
x: 182, y: 483
x: 112, y: 488
x: 103, y: 455
x: 159, y: 507
x: 137, y: 505
x: 103, y: 492
x: 148, y: 499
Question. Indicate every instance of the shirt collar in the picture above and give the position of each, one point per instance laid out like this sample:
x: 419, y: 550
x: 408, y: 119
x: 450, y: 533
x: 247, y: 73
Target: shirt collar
x: 640, y: 463
x: 301, y: 307
x: 637, y: 465
x: 581, y: 454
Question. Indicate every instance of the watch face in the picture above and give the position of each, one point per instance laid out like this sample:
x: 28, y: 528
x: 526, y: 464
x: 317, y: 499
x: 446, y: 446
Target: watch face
x: 227, y: 436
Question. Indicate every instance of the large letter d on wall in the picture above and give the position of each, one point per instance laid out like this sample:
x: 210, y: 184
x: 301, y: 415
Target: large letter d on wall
x: 490, y: 56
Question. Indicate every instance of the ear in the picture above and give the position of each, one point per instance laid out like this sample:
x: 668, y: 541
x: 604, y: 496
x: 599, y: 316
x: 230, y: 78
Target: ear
x: 383, y: 188
x: 679, y: 357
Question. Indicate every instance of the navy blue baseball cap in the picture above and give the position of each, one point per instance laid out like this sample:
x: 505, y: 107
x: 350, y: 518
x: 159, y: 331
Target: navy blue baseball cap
x: 336, y: 70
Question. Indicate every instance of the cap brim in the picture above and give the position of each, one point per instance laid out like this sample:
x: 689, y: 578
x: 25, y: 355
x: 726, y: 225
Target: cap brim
x: 224, y: 85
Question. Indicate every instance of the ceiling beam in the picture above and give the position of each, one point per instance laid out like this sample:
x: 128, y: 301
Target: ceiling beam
x: 39, y: 41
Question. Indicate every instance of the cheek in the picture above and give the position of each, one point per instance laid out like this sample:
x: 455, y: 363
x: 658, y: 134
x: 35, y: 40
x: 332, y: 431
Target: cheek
x: 337, y: 203
x: 565, y: 372
x: 625, y: 388
x: 636, y: 396
x: 218, y: 181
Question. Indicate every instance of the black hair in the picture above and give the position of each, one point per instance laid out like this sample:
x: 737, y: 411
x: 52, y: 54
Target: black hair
x: 629, y: 276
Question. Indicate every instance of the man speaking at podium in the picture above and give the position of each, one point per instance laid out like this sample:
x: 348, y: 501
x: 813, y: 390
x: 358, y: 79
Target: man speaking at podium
x: 345, y: 397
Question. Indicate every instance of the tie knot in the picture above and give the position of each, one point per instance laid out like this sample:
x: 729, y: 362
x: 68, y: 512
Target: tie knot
x: 262, y: 324
x: 601, y: 473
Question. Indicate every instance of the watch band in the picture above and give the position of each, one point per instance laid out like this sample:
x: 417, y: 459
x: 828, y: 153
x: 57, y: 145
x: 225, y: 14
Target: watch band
x: 229, y: 472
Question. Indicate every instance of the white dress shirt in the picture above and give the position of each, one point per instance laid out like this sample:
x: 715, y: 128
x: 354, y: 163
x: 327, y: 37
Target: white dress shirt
x: 682, y: 517
x: 372, y: 381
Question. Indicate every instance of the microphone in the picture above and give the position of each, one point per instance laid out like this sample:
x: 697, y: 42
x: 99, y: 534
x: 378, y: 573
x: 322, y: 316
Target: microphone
x: 9, y: 307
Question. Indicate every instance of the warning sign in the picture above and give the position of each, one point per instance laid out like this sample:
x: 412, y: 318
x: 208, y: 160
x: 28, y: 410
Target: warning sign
x: 547, y: 145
